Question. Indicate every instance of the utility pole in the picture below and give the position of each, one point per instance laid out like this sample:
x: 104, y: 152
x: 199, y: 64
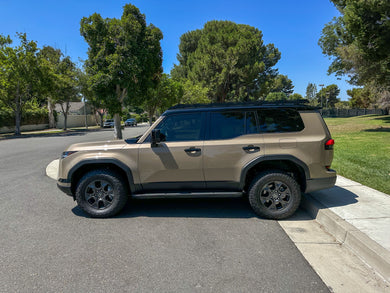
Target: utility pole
x: 85, y: 114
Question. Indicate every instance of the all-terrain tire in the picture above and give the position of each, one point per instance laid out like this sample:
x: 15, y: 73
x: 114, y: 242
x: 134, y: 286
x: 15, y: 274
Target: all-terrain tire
x: 274, y: 195
x: 101, y: 193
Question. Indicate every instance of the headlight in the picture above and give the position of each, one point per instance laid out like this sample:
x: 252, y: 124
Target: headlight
x: 66, y: 154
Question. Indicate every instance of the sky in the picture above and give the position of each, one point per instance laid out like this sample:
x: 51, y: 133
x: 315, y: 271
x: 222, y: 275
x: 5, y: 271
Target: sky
x: 294, y: 27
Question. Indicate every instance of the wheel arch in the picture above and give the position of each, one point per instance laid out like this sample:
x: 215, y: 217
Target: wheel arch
x: 286, y: 163
x: 78, y: 170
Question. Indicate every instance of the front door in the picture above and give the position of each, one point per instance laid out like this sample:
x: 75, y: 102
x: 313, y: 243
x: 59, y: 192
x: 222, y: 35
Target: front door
x: 175, y: 164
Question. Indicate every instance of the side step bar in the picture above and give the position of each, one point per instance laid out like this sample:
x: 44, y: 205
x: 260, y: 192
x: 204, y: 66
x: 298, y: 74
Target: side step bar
x: 189, y: 195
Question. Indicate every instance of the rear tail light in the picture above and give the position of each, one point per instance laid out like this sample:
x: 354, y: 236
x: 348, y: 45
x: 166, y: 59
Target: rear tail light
x: 329, y: 144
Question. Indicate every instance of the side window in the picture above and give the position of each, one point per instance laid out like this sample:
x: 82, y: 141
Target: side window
x: 226, y: 125
x: 280, y: 120
x: 181, y: 127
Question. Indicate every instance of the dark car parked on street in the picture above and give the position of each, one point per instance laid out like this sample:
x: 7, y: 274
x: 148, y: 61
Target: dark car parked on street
x: 131, y: 122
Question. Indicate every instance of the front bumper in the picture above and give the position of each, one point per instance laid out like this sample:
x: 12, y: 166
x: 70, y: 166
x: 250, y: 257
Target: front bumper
x: 64, y: 186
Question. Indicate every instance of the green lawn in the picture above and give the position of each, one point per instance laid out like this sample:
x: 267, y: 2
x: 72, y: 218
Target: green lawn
x: 362, y: 149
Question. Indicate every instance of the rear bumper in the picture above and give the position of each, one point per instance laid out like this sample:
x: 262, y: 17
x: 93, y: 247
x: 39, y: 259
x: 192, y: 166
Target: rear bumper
x: 320, y: 183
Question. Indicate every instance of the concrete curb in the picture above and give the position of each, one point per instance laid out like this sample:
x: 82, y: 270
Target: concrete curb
x: 367, y: 249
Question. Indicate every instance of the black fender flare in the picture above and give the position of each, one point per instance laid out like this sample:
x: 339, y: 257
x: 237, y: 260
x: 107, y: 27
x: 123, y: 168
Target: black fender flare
x: 261, y: 159
x: 115, y: 162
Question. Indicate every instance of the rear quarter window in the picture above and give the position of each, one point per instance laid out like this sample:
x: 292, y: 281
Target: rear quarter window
x: 279, y: 120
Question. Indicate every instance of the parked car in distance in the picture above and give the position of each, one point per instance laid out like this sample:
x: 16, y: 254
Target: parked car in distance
x: 108, y: 123
x: 131, y: 122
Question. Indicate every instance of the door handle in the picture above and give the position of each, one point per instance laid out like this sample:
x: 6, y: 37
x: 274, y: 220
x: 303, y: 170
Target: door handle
x: 251, y: 148
x: 192, y: 150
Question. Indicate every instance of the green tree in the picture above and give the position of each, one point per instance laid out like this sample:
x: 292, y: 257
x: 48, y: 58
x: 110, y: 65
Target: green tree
x: 49, y: 59
x: 59, y: 81
x: 295, y: 96
x: 194, y: 93
x: 282, y: 83
x: 358, y: 42
x: 327, y: 96
x: 89, y: 95
x: 168, y: 93
x: 68, y: 87
x: 50, y: 63
x: 342, y: 105
x: 360, y: 97
x: 311, y: 92
x: 19, y: 74
x: 229, y: 59
x: 384, y: 101
x: 276, y: 96
x: 124, y: 59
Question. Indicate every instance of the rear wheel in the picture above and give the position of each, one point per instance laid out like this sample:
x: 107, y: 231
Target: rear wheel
x: 274, y: 195
x: 101, y: 193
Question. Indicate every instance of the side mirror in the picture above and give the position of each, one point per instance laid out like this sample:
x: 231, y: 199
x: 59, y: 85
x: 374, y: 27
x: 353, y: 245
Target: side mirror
x: 156, y: 137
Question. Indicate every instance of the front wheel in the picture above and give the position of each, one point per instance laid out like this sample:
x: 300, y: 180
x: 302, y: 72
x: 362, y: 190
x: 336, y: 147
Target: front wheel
x: 101, y: 193
x: 274, y: 195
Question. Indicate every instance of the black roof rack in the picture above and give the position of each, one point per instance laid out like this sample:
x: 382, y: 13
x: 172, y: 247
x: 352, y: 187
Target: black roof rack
x: 282, y: 103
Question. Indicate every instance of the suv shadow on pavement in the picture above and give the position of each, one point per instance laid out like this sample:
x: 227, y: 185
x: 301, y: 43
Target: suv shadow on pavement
x: 184, y: 208
x: 234, y: 208
x: 328, y: 198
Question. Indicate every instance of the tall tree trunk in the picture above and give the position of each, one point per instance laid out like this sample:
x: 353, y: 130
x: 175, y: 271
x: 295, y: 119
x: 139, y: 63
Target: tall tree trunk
x: 222, y: 98
x: 101, y: 114
x: 151, y: 112
x: 17, y: 111
x: 65, y: 121
x: 117, y: 126
x: 50, y: 108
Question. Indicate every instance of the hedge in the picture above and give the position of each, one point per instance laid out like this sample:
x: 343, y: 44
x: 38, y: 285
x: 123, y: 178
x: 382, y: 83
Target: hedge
x: 32, y: 114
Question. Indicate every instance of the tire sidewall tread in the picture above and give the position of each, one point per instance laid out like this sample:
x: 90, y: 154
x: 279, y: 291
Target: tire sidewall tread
x: 120, y: 192
x: 260, y: 180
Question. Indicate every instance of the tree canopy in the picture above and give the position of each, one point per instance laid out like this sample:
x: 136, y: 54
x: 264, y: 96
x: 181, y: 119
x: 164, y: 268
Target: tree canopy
x: 229, y: 59
x: 124, y: 58
x: 311, y: 92
x: 19, y: 75
x: 358, y: 42
x: 283, y: 84
x: 360, y: 97
x: 168, y: 93
x: 60, y: 81
x: 328, y: 96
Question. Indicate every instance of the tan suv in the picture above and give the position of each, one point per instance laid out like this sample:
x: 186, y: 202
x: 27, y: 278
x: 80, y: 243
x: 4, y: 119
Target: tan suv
x: 271, y: 153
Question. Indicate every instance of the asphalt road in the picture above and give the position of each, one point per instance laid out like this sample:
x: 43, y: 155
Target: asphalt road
x: 48, y: 244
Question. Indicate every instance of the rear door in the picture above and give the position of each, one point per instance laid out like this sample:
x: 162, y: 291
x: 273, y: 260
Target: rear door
x: 232, y: 141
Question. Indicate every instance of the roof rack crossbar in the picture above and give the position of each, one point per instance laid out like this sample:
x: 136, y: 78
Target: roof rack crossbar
x: 299, y: 102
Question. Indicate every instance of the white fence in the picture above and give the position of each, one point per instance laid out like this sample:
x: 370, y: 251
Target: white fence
x: 75, y: 120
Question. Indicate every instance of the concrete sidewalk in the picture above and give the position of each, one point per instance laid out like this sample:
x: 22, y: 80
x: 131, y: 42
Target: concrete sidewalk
x: 358, y: 217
